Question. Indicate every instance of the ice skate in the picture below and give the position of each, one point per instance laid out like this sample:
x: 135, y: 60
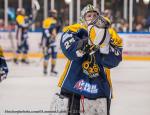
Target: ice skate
x: 25, y: 61
x: 45, y: 71
x: 53, y: 73
x: 15, y: 60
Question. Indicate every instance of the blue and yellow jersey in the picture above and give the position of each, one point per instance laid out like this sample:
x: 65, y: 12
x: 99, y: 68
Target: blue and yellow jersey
x: 48, y: 25
x: 116, y: 39
x: 114, y: 36
x: 20, y: 19
x: 74, y: 28
x: 24, y: 21
x: 23, y: 24
x: 48, y: 22
x: 88, y: 75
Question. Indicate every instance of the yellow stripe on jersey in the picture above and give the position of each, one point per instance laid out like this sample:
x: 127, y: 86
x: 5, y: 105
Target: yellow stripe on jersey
x: 115, y: 37
x: 74, y: 27
x: 20, y: 19
x: 64, y: 74
x: 92, y: 34
x: 107, y: 19
x: 1, y: 52
x: 108, y: 76
x: 109, y: 79
x: 48, y: 22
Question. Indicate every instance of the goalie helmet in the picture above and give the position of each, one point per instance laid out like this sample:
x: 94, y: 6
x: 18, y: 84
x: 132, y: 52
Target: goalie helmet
x: 97, y: 28
x: 86, y: 9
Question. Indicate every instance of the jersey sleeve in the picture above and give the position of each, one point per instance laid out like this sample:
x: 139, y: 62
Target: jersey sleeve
x: 113, y: 58
x: 69, y: 45
x: 115, y: 51
x: 24, y: 21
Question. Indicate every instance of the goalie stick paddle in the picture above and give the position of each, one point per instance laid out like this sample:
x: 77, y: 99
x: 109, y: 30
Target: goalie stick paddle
x: 99, y: 35
x: 104, y: 36
x: 101, y: 42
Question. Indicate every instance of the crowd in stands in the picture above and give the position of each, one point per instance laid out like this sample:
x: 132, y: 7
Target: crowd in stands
x: 121, y: 25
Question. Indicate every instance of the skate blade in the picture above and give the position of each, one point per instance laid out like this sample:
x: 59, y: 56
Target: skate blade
x: 53, y: 74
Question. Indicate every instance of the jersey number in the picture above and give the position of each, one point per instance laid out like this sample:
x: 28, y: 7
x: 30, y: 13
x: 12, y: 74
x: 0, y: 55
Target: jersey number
x: 69, y: 42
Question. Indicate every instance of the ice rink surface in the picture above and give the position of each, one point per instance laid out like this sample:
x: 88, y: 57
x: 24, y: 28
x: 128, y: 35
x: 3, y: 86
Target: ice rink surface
x: 26, y: 89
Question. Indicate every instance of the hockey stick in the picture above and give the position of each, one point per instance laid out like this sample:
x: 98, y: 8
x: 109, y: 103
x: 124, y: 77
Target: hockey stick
x: 35, y: 8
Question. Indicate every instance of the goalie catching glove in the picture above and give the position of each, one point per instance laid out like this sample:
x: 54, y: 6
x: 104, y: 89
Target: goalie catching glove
x: 83, y: 47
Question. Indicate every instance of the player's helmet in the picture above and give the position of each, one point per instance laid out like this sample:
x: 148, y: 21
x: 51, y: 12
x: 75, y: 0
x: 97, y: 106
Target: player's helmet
x: 53, y: 13
x: 20, y: 11
x: 108, y: 14
x: 86, y: 9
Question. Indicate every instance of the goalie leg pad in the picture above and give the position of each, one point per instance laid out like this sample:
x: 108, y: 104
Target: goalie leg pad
x: 72, y: 106
x: 59, y: 105
x: 95, y: 107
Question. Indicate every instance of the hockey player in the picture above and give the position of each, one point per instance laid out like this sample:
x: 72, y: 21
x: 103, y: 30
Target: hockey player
x: 23, y: 23
x: 3, y: 66
x: 92, y: 48
x: 48, y: 41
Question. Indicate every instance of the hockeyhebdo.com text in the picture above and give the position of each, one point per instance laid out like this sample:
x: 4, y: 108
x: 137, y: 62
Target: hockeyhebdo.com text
x: 32, y: 111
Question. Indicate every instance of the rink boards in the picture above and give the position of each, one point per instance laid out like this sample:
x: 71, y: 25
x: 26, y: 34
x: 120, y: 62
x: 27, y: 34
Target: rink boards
x: 136, y: 46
